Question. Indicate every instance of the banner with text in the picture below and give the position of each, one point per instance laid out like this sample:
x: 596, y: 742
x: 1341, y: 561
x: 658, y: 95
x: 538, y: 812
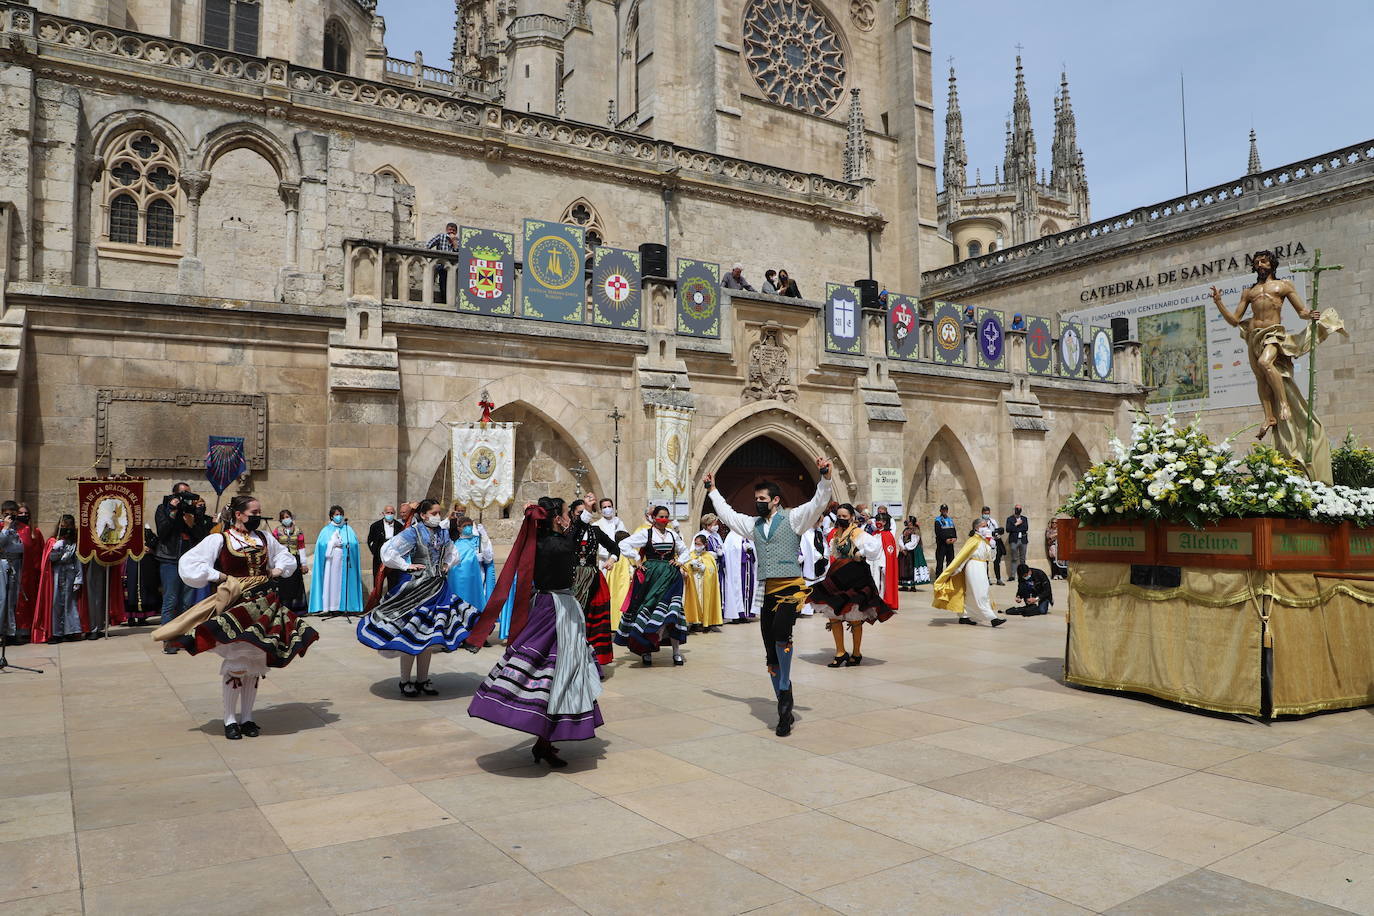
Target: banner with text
x: 616, y: 288
x: 1190, y: 357
x: 903, y: 327
x: 843, y: 322
x: 698, y: 298
x: 552, y: 288
x: 885, y: 489
x: 486, y: 271
x: 110, y: 520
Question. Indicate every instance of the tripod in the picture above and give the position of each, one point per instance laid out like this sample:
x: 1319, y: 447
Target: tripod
x: 4, y: 662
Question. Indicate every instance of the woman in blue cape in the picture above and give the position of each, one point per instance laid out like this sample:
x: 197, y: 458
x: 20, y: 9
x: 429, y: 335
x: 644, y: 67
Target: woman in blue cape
x: 336, y: 580
x: 474, y: 553
x: 422, y: 614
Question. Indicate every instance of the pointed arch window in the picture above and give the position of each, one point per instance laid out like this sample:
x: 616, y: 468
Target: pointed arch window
x: 139, y: 193
x: 581, y: 213
x: 336, y: 46
x: 232, y: 25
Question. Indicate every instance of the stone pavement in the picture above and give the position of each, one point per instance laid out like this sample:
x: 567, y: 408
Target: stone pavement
x: 951, y: 773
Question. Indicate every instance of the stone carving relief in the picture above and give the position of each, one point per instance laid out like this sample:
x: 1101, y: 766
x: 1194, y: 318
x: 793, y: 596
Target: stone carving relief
x: 863, y: 13
x: 150, y: 428
x: 770, y: 367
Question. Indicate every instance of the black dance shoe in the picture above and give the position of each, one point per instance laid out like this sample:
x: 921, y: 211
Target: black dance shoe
x: 647, y: 659
x: 233, y: 732
x: 839, y: 661
x: 999, y: 621
x: 968, y: 620
x: 427, y: 688
x: 854, y: 660
x: 679, y: 660
x: 250, y: 729
x: 408, y: 689
x: 549, y: 754
x: 785, y: 717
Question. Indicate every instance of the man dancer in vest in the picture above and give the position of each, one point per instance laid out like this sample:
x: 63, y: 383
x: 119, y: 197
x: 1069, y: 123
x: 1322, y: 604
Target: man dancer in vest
x: 777, y: 534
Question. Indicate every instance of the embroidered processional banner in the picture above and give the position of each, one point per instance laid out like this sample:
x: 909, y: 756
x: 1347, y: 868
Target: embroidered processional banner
x: 552, y: 287
x: 616, y: 288
x: 486, y: 271
x: 225, y: 462
x: 1039, y: 346
x: 110, y: 519
x: 1102, y: 354
x: 673, y: 427
x: 483, y: 461
x: 843, y: 321
x: 992, y: 340
x: 698, y: 298
x: 903, y: 335
x: 1070, y: 349
x: 948, y: 336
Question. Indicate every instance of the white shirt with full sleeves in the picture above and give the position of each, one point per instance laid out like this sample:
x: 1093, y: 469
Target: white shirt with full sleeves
x: 395, y: 553
x: 802, y: 518
x: 633, y: 543
x: 197, y: 565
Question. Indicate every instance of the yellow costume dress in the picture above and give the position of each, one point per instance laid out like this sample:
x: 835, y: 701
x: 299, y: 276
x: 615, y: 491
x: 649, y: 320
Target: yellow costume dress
x: 963, y: 587
x: 701, y: 601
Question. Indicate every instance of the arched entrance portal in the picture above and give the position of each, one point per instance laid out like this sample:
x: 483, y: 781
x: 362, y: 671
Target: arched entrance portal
x: 763, y: 458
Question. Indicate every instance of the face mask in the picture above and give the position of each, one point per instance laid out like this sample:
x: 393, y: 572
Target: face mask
x: 286, y: 523
x: 23, y: 518
x: 842, y: 523
x: 660, y: 523
x: 390, y: 516
x: 338, y: 520
x: 67, y: 534
x: 985, y: 532
x: 252, y: 522
x: 608, y: 512
x: 467, y: 531
x: 761, y: 508
x: 433, y: 520
x: 714, y: 529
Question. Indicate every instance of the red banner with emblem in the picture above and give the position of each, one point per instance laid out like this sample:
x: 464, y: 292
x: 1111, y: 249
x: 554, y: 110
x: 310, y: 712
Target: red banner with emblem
x: 110, y: 519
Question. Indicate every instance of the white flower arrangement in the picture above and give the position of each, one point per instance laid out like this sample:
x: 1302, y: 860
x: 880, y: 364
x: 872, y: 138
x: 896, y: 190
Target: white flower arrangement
x: 1177, y: 474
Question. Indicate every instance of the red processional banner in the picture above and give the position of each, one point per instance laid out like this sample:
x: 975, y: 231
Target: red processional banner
x: 110, y: 519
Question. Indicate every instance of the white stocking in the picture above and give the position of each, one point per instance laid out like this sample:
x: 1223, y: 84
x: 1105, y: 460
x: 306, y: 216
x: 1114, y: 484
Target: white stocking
x: 407, y: 665
x: 248, y: 693
x: 231, y: 696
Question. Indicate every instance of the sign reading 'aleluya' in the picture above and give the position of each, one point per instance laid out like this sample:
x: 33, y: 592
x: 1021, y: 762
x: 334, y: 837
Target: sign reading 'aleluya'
x: 1201, y: 270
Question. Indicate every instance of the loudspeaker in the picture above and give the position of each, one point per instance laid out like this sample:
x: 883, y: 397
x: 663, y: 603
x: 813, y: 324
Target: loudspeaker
x: 868, y: 294
x: 653, y: 260
x: 1121, y: 329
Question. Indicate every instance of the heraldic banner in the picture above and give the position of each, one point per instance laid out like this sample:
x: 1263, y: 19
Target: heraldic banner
x: 674, y: 434
x: 903, y: 336
x: 616, y: 288
x: 698, y: 298
x: 1102, y: 354
x: 483, y: 462
x: 486, y: 271
x: 948, y: 334
x: 844, y: 325
x: 1039, y: 346
x: 1070, y: 349
x: 992, y: 341
x: 110, y: 519
x: 552, y: 288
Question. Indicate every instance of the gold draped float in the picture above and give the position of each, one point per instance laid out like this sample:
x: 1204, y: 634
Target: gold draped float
x: 1202, y: 644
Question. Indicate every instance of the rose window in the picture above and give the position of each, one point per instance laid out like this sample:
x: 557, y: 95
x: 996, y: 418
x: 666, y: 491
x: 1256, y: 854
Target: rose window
x: 794, y: 54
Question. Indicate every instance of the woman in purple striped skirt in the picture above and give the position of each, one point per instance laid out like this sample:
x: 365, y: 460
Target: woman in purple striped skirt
x: 548, y: 681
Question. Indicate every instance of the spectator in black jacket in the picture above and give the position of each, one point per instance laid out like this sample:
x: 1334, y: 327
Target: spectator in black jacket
x: 945, y: 536
x: 1018, y: 536
x: 382, y: 530
x: 181, y: 525
x: 1034, y: 594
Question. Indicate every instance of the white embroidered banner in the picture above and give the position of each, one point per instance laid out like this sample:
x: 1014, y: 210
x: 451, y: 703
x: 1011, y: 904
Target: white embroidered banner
x: 674, y: 434
x: 483, y: 461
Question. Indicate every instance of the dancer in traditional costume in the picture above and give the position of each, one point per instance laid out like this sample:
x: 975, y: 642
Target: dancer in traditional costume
x: 964, y: 586
x: 701, y: 597
x: 590, y: 588
x: 422, y: 615
x: 336, y: 576
x: 291, y: 589
x: 654, y: 612
x: 738, y: 598
x: 885, y: 566
x: 242, y: 621
x: 777, y: 533
x: 849, y: 595
x: 547, y: 682
x: 59, y: 614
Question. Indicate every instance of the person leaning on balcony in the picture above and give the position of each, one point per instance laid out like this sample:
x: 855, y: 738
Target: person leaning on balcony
x: 444, y: 241
x: 735, y: 279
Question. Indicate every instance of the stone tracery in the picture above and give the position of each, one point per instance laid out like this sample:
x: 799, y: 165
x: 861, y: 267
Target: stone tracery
x: 794, y: 54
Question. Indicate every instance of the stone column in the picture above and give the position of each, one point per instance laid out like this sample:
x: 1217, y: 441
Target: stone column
x: 290, y: 192
x: 190, y: 269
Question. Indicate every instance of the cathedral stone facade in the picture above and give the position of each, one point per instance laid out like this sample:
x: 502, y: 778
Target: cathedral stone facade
x: 214, y: 217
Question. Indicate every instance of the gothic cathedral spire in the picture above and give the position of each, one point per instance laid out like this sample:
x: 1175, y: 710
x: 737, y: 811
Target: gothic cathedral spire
x: 956, y: 156
x: 856, y: 142
x: 1253, y: 167
x: 1019, y: 161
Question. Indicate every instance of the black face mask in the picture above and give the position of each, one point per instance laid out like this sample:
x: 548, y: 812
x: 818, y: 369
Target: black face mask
x: 22, y: 519
x: 252, y: 522
x: 67, y: 534
x: 842, y: 523
x: 761, y: 509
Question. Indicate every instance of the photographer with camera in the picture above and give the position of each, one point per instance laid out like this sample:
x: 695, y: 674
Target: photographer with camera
x: 181, y: 525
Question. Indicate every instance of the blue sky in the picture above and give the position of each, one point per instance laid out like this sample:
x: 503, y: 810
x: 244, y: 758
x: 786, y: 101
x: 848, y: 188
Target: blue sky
x: 1297, y: 72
